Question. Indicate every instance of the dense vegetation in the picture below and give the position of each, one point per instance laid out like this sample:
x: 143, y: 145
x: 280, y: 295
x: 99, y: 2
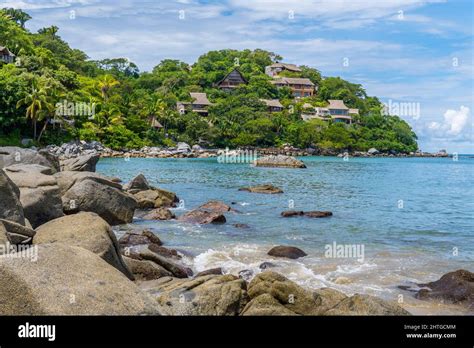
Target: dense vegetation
x: 47, y: 71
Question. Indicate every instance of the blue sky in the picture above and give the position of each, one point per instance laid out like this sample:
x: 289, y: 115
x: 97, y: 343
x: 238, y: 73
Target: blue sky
x: 403, y: 51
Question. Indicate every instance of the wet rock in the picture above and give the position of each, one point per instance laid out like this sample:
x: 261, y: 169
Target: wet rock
x: 216, y: 206
x: 46, y: 286
x: 113, y: 205
x: 268, y: 189
x: 215, y: 271
x: 11, y: 208
x: 159, y: 214
x: 207, y: 295
x: 246, y: 274
x: 202, y: 217
x: 133, y: 238
x: 85, y: 230
x: 312, y: 214
x: 163, y: 251
x: 145, y: 270
x: 178, y: 271
x: 266, y: 264
x: 287, y: 251
x: 85, y: 163
x: 454, y: 287
x: 279, y: 161
x: 365, y: 305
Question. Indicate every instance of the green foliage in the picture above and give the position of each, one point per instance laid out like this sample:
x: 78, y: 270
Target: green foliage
x: 48, y: 72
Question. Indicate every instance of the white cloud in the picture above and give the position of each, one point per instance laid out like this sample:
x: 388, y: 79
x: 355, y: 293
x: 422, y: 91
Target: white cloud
x: 453, y: 125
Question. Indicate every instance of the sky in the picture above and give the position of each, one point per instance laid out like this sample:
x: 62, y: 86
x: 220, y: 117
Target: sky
x: 415, y: 55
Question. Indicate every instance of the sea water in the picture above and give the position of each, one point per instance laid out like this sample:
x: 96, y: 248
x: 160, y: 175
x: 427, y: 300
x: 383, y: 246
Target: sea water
x: 412, y: 217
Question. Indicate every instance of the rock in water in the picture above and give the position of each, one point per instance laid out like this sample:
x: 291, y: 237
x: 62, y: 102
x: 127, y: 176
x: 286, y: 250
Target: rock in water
x: 114, y: 206
x: 10, y: 155
x: 312, y: 214
x: 84, y: 163
x: 216, y: 206
x: 279, y: 161
x: 159, y: 214
x: 85, y: 230
x: 206, y: 295
x: 216, y: 271
x: 177, y: 270
x: 269, y: 189
x: 198, y: 216
x: 10, y: 208
x: 68, y: 280
x: 455, y: 287
x: 138, y: 183
x: 286, y: 251
x: 39, y: 194
x: 365, y: 305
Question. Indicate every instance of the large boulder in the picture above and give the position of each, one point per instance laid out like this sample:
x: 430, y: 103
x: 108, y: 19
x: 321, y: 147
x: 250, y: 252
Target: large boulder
x: 454, y: 287
x: 287, y: 293
x: 289, y: 252
x: 39, y: 194
x: 198, y: 216
x: 366, y: 305
x: 279, y: 161
x: 267, y: 188
x: 85, y: 230
x: 68, y: 280
x: 85, y: 163
x: 216, y: 206
x: 67, y: 179
x: 130, y: 239
x: 155, y: 198
x: 158, y: 214
x: 15, y: 155
x: 11, y: 208
x: 206, y: 295
x: 113, y: 205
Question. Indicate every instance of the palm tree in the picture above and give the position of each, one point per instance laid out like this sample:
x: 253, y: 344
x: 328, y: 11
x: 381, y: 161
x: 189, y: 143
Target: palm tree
x: 106, y: 83
x: 37, y: 105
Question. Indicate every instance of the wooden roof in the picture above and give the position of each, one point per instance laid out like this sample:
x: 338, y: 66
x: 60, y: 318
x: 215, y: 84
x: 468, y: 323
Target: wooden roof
x: 291, y: 67
x: 200, y: 98
x: 337, y: 104
x: 272, y: 103
x: 233, y: 72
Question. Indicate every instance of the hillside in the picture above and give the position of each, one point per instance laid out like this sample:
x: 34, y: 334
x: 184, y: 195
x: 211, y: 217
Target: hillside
x: 53, y: 93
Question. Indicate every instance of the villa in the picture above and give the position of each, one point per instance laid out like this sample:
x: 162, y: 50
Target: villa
x: 276, y: 68
x: 6, y: 56
x: 232, y: 80
x: 273, y: 105
x: 199, y: 104
x: 336, y: 111
x: 301, y: 87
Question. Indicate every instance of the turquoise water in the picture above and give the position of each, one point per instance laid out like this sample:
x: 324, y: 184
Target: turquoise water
x: 414, y: 217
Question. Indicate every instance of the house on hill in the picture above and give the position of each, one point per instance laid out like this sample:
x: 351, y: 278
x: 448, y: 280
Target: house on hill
x: 276, y: 68
x: 200, y: 104
x: 301, y: 87
x: 273, y: 105
x: 336, y: 111
x: 232, y: 80
x: 6, y: 56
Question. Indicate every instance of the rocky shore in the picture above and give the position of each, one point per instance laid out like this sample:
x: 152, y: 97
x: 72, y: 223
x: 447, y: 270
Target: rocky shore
x: 59, y: 254
x: 183, y: 150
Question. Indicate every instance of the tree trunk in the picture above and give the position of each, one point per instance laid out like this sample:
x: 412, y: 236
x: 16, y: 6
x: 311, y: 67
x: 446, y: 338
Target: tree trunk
x: 42, y: 130
x: 34, y: 129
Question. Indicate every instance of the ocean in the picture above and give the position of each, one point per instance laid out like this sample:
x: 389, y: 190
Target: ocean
x: 413, y: 219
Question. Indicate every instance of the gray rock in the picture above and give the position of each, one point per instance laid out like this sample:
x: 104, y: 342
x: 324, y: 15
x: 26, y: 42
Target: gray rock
x: 177, y: 270
x: 145, y: 270
x: 10, y: 208
x: 113, y: 205
x: 287, y: 251
x: 18, y: 234
x: 10, y: 155
x: 85, y: 163
x: 199, y: 216
x: 279, y: 161
x: 139, y: 183
x: 268, y: 189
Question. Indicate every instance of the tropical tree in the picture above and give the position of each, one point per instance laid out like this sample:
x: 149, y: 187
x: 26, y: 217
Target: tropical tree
x: 106, y: 83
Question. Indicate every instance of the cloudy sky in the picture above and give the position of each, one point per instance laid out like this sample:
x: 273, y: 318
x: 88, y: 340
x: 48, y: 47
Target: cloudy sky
x: 415, y: 52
